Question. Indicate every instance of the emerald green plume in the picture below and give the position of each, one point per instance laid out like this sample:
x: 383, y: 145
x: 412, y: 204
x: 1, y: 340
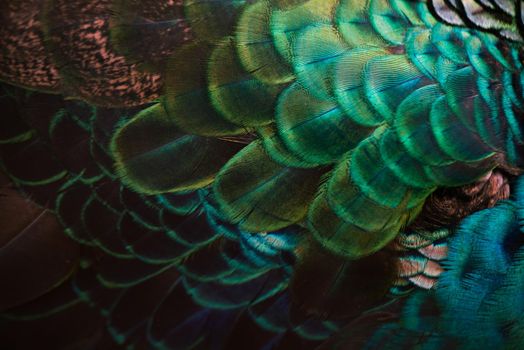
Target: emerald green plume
x: 356, y: 111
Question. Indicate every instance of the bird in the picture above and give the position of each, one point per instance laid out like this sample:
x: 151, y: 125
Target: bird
x: 261, y: 174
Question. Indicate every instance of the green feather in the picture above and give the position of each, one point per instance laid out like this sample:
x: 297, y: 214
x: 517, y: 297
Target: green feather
x: 489, y: 114
x: 480, y: 58
x: 346, y: 239
x: 259, y: 194
x: 461, y: 90
x: 352, y: 20
x: 316, y: 51
x: 496, y: 47
x: 315, y: 130
x: 414, y: 128
x: 286, y: 24
x: 450, y: 42
x: 510, y: 108
x: 444, y: 67
x: 369, y: 196
x: 378, y: 182
x: 406, y: 168
x: 349, y: 89
x: 389, y: 80
x: 387, y: 21
x: 453, y: 137
x: 154, y: 156
x: 286, y: 4
x: 186, y: 97
x: 211, y: 20
x: 422, y: 52
x: 237, y: 95
x: 410, y: 10
x: 256, y: 49
x: 459, y: 173
x: 277, y: 150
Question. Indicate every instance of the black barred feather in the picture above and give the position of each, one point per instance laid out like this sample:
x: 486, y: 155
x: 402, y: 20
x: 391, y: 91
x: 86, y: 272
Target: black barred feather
x: 502, y: 17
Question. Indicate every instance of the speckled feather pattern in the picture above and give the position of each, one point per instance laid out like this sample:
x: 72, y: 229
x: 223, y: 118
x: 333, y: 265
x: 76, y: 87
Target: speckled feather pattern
x: 24, y: 60
x: 78, y: 41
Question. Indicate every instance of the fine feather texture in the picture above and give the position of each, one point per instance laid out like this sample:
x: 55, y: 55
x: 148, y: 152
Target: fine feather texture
x: 475, y: 302
x: 24, y: 59
x: 265, y: 171
x: 176, y: 251
x: 148, y: 33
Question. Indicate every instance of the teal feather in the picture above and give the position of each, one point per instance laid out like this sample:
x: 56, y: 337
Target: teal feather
x: 407, y: 169
x: 421, y: 51
x: 387, y: 21
x: 354, y: 24
x: 286, y: 25
x: 235, y: 93
x: 450, y: 42
x: 388, y: 81
x: 256, y: 49
x: 453, y: 137
x: 349, y: 85
x: 146, y: 144
x: 279, y: 152
x: 251, y: 165
x: 414, y: 128
x: 315, y: 52
x: 308, y: 126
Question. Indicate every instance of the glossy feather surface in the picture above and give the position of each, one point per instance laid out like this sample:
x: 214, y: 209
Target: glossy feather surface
x: 262, y: 174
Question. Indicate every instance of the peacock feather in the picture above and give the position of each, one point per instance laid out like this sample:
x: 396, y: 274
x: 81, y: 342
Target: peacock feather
x: 261, y: 173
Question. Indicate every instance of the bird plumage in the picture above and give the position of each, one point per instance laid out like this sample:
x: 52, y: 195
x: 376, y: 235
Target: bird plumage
x: 261, y: 172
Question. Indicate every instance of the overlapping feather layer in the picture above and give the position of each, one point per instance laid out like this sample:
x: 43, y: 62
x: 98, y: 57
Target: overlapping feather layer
x: 355, y: 111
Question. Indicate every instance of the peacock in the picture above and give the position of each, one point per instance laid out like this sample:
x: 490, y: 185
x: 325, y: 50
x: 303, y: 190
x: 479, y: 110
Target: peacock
x: 261, y: 174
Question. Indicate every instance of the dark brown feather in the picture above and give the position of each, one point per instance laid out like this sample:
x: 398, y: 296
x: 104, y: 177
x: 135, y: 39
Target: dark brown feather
x: 35, y: 254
